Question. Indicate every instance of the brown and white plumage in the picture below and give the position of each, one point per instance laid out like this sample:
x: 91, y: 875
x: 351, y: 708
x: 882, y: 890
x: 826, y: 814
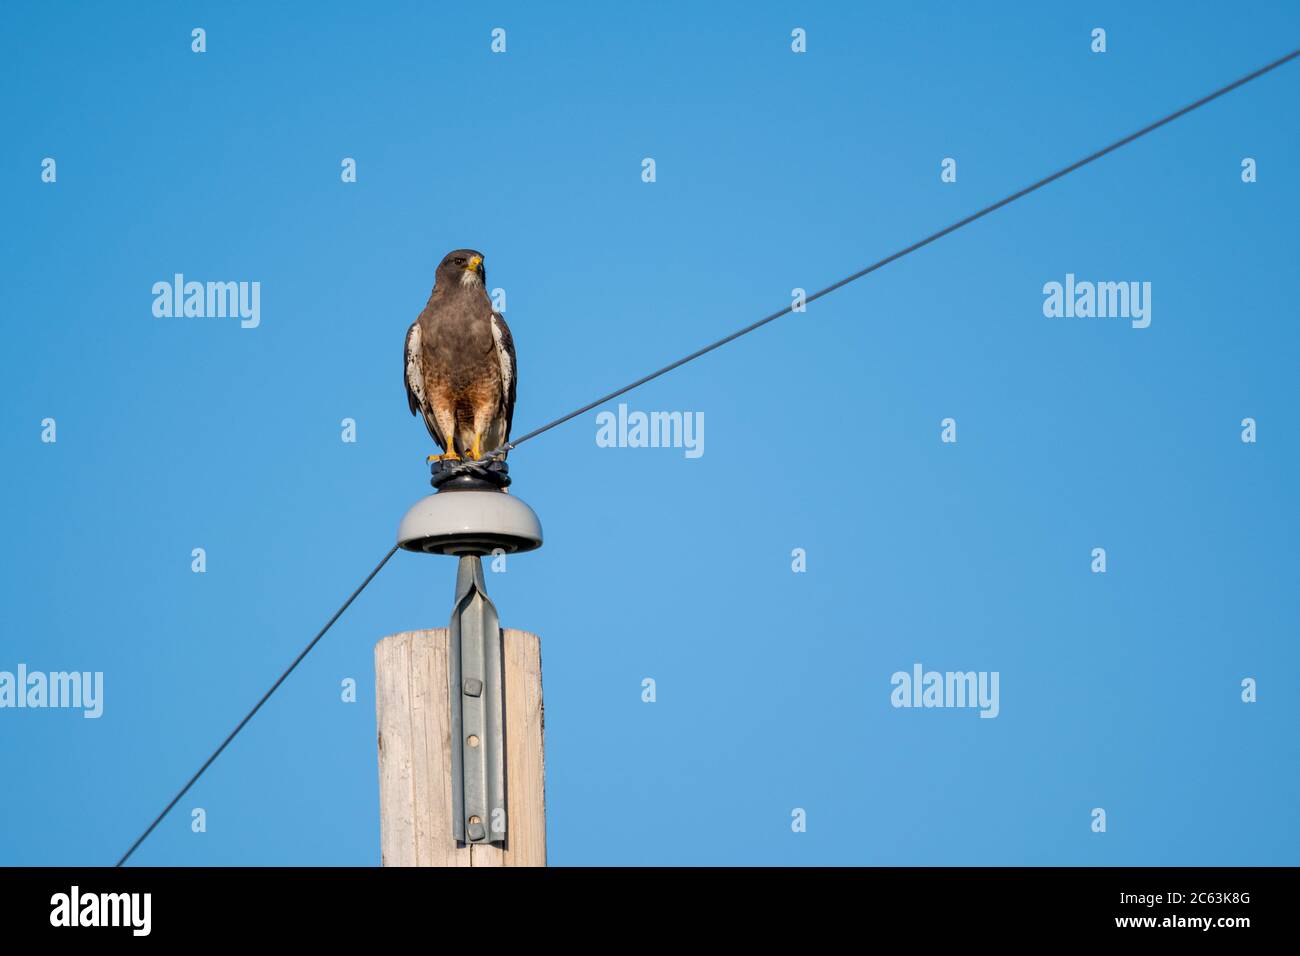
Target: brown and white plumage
x: 459, y: 362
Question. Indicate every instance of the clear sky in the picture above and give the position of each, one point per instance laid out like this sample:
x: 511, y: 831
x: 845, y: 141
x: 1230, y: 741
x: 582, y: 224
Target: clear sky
x: 773, y: 170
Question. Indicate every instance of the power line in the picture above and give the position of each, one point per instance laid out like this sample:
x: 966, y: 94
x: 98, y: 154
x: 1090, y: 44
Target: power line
x: 691, y: 357
x: 890, y: 258
x: 256, y: 707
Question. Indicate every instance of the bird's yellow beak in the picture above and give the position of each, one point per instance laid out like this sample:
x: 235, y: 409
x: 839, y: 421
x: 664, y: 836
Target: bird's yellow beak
x: 474, y: 262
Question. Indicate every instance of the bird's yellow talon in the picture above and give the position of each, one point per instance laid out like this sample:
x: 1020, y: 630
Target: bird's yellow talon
x: 476, y: 451
x: 449, y: 456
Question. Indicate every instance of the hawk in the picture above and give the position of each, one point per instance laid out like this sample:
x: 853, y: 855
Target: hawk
x: 460, y: 363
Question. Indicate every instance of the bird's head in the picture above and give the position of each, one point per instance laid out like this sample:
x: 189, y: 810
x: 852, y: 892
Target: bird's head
x: 462, y: 267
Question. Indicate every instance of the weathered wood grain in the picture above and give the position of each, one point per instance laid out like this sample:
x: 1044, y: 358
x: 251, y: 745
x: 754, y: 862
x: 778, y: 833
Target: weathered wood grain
x: 413, y: 716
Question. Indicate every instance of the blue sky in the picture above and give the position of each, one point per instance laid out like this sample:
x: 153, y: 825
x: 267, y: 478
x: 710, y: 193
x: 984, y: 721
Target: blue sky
x: 773, y: 170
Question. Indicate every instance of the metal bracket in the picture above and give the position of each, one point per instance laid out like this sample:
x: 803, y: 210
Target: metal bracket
x: 478, y: 792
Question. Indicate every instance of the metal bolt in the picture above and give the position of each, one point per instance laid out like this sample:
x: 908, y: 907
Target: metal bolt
x: 476, y: 831
x: 473, y: 741
x: 473, y: 686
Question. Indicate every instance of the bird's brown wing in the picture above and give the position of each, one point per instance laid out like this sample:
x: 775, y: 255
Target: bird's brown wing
x: 413, y: 363
x: 505, y: 344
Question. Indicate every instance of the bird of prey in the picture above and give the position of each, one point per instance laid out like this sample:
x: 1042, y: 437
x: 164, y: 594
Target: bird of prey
x: 460, y: 363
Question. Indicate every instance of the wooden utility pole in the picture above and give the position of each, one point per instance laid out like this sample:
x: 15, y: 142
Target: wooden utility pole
x: 413, y: 709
